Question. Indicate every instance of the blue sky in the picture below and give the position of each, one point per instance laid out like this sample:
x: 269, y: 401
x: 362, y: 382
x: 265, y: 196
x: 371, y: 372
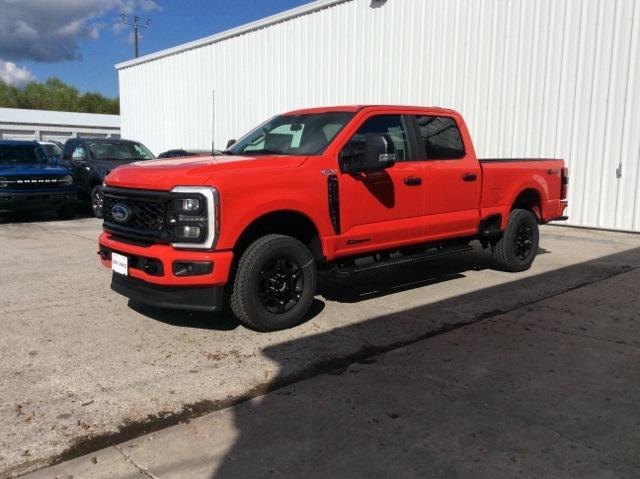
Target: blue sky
x: 79, y: 41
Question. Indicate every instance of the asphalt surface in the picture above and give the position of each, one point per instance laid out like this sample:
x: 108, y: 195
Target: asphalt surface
x: 83, y: 369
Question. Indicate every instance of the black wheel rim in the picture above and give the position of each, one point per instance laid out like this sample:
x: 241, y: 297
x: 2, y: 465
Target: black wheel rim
x: 524, y: 241
x: 98, y: 201
x: 280, y: 284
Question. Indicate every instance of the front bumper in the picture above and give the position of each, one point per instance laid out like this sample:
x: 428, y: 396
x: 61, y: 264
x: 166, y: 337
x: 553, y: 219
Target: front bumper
x: 201, y: 298
x: 29, y: 200
x: 163, y: 256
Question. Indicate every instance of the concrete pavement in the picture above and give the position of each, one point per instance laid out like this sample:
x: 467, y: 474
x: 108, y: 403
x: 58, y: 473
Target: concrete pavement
x: 548, y: 390
x: 82, y: 368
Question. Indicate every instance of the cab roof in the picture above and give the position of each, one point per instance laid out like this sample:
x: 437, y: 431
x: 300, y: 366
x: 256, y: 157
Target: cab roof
x: 357, y: 108
x: 18, y: 142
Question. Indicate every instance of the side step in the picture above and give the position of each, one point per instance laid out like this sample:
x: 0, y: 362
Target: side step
x: 349, y: 271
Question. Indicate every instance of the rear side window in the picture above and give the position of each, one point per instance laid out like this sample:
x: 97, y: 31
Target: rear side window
x: 441, y: 137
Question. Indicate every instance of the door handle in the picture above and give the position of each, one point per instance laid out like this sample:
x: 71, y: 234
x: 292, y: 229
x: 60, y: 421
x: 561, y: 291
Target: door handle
x: 413, y: 181
x: 469, y: 177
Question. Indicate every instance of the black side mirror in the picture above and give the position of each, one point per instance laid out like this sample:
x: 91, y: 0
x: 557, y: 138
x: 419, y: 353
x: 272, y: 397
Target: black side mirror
x: 230, y: 143
x: 376, y: 152
x: 78, y: 160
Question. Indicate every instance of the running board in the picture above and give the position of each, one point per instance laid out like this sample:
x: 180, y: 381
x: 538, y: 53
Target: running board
x: 349, y: 271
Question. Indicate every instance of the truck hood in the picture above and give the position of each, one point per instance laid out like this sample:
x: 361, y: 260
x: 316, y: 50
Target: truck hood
x: 165, y: 174
x: 24, y: 169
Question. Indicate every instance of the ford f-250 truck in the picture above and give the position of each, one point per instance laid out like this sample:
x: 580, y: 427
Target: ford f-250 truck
x: 347, y: 188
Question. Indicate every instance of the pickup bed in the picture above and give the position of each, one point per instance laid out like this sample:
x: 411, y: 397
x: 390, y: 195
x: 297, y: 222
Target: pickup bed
x: 343, y: 188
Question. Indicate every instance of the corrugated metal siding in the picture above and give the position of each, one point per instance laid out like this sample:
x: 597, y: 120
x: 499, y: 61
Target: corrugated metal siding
x: 554, y: 78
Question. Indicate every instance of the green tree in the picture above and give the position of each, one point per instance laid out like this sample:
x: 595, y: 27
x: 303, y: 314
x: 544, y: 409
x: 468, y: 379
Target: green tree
x: 54, y: 94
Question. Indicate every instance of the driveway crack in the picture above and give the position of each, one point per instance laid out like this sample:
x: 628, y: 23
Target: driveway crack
x: 129, y: 459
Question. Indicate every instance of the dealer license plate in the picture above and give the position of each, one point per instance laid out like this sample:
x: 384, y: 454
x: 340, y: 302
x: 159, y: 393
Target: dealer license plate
x: 119, y: 263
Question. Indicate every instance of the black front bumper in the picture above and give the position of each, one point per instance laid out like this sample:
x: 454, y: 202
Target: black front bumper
x: 30, y: 200
x: 194, y: 298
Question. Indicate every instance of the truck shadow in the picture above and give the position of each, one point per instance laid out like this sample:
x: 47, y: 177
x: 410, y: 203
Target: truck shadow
x: 22, y: 217
x: 477, y: 396
x: 352, y: 290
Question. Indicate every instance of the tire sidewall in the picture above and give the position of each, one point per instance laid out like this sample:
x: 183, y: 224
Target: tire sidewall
x: 519, y: 218
x: 260, y: 315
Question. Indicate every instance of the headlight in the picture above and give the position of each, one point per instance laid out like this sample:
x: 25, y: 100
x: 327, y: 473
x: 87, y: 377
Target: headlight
x: 3, y: 182
x: 66, y: 180
x: 192, y: 217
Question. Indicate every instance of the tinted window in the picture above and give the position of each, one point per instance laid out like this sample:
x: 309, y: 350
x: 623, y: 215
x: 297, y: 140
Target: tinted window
x: 391, y: 125
x: 20, y: 154
x: 118, y: 150
x: 441, y: 136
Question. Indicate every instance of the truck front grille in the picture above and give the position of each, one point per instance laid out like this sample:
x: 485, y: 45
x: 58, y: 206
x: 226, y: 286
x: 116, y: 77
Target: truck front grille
x: 146, y: 214
x: 28, y: 183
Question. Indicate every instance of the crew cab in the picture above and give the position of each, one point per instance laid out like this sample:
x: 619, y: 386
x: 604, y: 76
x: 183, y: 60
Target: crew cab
x: 91, y: 159
x: 30, y: 181
x: 348, y: 189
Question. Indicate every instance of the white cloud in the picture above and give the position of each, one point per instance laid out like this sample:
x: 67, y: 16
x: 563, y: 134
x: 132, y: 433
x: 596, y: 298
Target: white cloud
x: 12, y: 74
x: 50, y: 31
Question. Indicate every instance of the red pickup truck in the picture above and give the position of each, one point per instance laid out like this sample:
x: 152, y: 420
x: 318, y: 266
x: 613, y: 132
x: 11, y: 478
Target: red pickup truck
x: 344, y: 188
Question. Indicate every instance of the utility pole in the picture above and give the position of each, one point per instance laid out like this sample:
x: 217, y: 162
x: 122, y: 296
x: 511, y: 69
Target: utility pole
x: 134, y: 21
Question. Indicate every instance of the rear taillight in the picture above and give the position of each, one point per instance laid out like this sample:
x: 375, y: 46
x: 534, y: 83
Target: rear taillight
x: 564, y: 182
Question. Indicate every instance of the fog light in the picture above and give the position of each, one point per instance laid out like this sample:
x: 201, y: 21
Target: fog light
x: 192, y: 268
x: 188, y: 232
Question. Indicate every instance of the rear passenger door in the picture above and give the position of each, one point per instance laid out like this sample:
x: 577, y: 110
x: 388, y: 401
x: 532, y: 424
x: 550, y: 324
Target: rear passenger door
x: 452, y: 177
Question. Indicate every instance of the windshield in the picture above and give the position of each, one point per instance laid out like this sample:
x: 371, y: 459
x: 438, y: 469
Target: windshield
x: 21, y: 154
x: 119, y: 150
x: 51, y: 150
x: 308, y: 134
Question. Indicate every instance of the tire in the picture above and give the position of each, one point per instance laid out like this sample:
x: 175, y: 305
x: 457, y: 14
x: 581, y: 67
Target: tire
x: 518, y: 246
x: 67, y: 212
x: 274, y: 285
x: 97, y: 201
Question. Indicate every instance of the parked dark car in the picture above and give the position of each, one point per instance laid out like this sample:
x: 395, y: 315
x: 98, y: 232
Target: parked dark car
x: 91, y: 160
x: 29, y: 180
x: 179, y: 152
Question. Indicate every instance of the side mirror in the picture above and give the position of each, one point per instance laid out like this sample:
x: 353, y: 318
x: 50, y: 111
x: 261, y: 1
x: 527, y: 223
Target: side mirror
x: 376, y: 152
x: 78, y: 160
x: 230, y: 143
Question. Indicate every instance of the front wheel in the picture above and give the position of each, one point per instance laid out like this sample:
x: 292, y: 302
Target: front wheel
x: 275, y: 284
x: 97, y: 201
x: 518, y: 246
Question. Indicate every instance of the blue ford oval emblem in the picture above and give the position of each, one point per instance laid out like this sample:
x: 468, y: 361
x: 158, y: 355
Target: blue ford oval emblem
x: 120, y: 212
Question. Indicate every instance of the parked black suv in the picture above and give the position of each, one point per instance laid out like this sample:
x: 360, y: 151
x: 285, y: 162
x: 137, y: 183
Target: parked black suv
x: 91, y: 159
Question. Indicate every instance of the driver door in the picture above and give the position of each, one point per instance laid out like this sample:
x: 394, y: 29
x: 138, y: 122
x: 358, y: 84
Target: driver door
x: 382, y: 209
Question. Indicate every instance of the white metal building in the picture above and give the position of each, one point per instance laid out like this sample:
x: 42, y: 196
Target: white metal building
x: 553, y: 78
x: 18, y: 124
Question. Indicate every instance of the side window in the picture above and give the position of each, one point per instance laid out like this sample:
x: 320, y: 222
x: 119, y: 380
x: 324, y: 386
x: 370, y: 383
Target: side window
x: 389, y: 124
x: 441, y: 137
x: 78, y: 152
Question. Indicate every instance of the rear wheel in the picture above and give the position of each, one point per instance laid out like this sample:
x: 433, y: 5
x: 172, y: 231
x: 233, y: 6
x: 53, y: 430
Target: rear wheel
x: 275, y: 284
x: 97, y: 201
x: 518, y: 246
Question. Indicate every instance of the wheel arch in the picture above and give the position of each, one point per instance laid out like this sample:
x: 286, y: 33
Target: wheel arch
x: 529, y: 199
x: 286, y: 222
